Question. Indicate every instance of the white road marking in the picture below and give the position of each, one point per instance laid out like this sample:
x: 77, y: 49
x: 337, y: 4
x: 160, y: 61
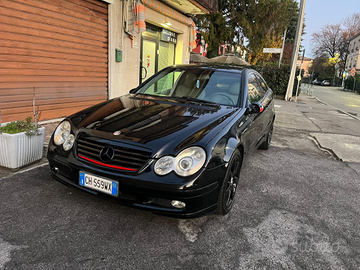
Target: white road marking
x: 34, y: 167
x: 277, y: 106
x: 5, y: 252
x: 191, y: 228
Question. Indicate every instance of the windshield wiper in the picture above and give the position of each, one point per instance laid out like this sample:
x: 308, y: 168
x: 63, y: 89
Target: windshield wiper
x: 195, y: 99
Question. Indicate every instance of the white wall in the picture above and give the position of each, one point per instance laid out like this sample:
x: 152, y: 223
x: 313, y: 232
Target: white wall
x: 124, y: 76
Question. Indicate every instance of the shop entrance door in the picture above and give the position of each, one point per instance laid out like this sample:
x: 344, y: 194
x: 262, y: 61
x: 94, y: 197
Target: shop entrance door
x: 148, y: 59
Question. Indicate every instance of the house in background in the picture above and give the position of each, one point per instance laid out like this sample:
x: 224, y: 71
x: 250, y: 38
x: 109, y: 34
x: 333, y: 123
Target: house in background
x: 71, y: 54
x: 353, y: 57
x: 305, y: 66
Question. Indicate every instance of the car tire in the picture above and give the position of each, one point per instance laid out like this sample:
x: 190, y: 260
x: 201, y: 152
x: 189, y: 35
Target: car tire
x: 230, y: 183
x: 266, y: 144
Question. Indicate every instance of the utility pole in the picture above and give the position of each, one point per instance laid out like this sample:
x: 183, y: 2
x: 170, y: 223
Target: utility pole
x: 282, y: 48
x: 299, y: 77
x: 296, y: 50
x: 344, y: 73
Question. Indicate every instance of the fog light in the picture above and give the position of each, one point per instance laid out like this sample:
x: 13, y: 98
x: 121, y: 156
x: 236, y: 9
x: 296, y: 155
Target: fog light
x: 178, y: 204
x: 56, y: 170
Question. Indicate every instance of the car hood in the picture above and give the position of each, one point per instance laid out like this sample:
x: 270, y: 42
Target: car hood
x: 154, y: 122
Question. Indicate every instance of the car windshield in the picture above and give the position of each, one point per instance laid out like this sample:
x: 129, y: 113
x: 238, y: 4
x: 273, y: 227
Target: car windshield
x: 195, y: 84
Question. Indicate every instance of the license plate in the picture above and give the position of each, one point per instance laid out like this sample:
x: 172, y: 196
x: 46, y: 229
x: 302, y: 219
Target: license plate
x: 98, y: 183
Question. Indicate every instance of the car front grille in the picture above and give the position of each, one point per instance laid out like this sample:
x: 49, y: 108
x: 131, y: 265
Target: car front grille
x: 126, y: 157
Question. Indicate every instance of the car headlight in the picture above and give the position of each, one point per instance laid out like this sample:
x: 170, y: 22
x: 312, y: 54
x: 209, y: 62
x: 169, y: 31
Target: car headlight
x: 62, y: 132
x: 69, y: 142
x: 164, y: 165
x: 187, y: 162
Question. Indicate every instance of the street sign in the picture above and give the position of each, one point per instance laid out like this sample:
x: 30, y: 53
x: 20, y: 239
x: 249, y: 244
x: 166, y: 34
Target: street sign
x: 353, y: 71
x: 271, y: 50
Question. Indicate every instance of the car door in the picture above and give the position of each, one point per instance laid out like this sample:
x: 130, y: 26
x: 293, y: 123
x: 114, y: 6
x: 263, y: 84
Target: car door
x: 253, y: 121
x: 266, y: 115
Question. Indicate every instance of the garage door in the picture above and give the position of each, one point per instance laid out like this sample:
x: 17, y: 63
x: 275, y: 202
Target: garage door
x: 55, y: 50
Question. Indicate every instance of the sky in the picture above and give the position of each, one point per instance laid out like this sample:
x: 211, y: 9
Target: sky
x: 318, y: 13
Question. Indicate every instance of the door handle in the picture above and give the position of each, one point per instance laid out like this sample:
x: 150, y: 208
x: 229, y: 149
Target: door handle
x: 142, y: 67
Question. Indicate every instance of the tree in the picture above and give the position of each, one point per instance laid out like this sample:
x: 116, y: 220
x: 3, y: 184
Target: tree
x: 291, y: 28
x: 351, y: 25
x: 323, y: 67
x: 217, y: 27
x: 262, y: 23
x: 329, y: 40
x: 334, y: 38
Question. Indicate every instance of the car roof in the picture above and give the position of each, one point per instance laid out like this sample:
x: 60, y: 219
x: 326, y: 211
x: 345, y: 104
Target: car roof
x: 212, y: 66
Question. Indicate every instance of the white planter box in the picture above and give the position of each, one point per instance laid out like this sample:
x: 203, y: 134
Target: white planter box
x: 17, y: 150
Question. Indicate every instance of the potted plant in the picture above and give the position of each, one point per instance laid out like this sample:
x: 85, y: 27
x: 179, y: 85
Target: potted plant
x: 21, y: 142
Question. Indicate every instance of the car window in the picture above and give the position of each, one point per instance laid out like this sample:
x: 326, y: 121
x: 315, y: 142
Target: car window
x: 262, y: 83
x: 204, y: 84
x: 163, y: 85
x: 255, y: 92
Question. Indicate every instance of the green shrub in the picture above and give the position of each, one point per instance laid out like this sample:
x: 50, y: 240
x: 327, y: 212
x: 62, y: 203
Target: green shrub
x: 21, y: 126
x: 277, y: 78
x: 349, y: 83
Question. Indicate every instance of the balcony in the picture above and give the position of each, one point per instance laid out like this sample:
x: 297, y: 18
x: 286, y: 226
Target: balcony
x: 193, y: 7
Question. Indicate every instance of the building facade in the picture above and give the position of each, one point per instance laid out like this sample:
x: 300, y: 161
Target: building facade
x: 353, y: 57
x: 66, y: 55
x: 306, y: 64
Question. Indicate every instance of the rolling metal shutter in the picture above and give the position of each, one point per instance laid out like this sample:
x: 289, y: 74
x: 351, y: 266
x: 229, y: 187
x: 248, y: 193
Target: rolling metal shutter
x: 57, y: 49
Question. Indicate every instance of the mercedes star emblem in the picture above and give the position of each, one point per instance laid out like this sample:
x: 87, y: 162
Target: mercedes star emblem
x: 107, y: 154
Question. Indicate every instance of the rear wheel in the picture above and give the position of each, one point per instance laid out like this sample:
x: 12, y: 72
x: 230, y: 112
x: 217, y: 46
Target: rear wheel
x: 228, y: 189
x: 265, y: 145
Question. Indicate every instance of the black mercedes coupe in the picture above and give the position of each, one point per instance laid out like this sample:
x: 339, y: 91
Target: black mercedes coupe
x: 174, y: 145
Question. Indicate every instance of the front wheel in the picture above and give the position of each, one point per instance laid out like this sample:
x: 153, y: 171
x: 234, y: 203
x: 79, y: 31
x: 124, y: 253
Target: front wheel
x: 228, y: 189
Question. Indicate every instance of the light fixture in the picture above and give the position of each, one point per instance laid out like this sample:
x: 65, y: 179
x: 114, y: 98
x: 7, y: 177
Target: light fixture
x: 166, y: 23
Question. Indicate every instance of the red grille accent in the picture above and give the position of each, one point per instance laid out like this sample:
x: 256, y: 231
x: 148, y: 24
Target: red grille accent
x: 107, y: 165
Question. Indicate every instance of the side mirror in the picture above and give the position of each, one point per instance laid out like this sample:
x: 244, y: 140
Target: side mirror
x: 256, y: 107
x: 133, y: 91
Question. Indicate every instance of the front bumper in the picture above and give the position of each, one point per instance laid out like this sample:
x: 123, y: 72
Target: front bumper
x: 146, y: 190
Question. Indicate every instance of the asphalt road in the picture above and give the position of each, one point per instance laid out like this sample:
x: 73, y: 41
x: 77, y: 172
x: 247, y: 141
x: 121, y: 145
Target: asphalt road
x: 346, y: 101
x: 297, y: 207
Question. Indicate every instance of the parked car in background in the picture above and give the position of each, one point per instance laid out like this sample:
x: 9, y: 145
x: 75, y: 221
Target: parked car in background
x: 174, y: 145
x: 325, y: 83
x: 317, y: 82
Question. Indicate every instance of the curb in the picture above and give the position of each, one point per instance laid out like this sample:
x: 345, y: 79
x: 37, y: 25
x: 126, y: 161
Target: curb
x: 329, y: 150
x: 50, y: 121
x: 348, y: 114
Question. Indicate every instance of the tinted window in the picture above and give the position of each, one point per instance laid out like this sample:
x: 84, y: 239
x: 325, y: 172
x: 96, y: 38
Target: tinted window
x: 255, y: 91
x: 204, y: 84
x: 262, y: 83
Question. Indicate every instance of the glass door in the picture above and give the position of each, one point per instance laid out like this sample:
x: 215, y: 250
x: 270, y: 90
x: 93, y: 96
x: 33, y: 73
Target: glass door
x: 157, y: 51
x: 166, y: 54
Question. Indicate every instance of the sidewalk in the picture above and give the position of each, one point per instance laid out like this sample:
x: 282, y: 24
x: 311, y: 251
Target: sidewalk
x: 333, y: 131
